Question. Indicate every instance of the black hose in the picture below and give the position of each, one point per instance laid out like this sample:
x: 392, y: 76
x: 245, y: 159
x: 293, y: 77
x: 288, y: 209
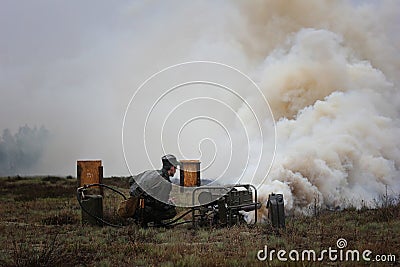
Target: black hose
x: 106, y: 186
x: 79, y: 192
x: 171, y: 223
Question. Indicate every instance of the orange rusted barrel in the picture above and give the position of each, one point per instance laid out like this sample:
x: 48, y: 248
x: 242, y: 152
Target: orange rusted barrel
x: 190, y: 173
x: 90, y: 172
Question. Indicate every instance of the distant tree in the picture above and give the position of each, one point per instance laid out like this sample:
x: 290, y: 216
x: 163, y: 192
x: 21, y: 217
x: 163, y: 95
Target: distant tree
x: 22, y: 151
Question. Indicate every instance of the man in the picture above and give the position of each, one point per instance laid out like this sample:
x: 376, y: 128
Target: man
x: 154, y: 186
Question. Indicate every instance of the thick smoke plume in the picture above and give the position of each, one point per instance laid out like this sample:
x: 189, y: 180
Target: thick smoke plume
x: 329, y: 71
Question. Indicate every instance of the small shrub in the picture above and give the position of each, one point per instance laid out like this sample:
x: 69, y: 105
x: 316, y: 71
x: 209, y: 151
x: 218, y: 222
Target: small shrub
x: 27, y: 192
x: 47, y: 252
x: 51, y: 179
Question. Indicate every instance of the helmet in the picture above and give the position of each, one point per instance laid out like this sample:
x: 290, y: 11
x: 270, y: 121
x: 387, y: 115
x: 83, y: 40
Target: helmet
x: 169, y: 160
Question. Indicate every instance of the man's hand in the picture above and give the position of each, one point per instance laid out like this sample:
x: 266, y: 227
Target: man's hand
x: 171, y: 201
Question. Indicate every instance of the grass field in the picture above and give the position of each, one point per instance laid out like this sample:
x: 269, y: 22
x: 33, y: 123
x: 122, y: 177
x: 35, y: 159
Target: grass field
x: 40, y: 225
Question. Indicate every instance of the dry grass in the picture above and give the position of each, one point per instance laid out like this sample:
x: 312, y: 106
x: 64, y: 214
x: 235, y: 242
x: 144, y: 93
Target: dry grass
x: 40, y: 226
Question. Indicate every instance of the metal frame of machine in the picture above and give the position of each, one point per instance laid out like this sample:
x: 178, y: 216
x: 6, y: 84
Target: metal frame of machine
x: 223, y: 209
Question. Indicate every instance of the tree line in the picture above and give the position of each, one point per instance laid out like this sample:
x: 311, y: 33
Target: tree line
x: 21, y: 152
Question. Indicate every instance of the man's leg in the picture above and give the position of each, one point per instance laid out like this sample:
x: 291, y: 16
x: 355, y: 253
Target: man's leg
x: 169, y: 213
x: 160, y: 214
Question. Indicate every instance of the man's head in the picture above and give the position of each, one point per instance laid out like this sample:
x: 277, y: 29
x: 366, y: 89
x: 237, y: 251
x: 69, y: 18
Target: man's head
x: 170, y: 163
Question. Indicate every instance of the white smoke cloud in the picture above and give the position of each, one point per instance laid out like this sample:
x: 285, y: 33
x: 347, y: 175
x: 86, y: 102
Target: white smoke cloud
x: 331, y: 83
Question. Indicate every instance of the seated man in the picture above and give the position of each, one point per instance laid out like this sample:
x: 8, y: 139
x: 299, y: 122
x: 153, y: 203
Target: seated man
x: 154, y: 186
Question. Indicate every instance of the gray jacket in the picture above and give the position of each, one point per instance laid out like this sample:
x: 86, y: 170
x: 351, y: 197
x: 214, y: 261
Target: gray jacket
x: 152, y: 183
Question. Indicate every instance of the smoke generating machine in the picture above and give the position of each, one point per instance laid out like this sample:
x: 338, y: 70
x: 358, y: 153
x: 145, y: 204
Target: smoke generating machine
x: 224, y: 205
